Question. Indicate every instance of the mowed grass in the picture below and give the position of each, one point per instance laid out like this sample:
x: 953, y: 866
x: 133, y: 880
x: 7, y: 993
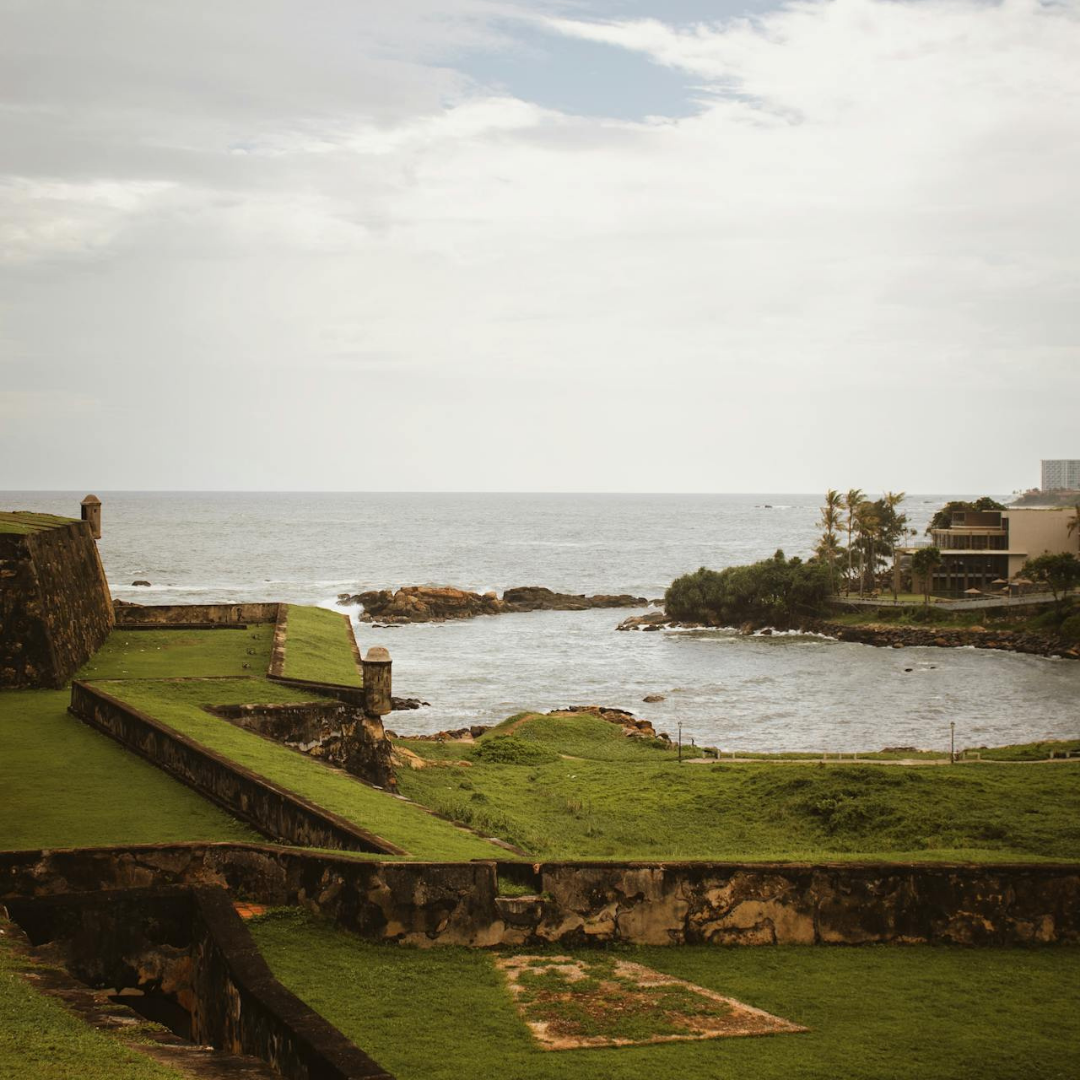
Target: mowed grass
x: 41, y: 1040
x: 62, y: 784
x: 616, y: 800
x: 181, y: 705
x: 23, y: 522
x: 318, y: 647
x: 164, y: 654
x: 880, y: 1012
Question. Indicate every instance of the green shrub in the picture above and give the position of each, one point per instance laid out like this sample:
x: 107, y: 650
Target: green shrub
x: 1070, y: 628
x: 509, y: 750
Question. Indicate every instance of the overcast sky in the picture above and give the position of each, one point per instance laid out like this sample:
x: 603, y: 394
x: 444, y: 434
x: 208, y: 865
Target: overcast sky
x: 651, y: 245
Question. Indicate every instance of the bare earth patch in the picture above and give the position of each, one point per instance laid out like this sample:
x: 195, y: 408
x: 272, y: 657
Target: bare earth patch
x: 572, y: 1004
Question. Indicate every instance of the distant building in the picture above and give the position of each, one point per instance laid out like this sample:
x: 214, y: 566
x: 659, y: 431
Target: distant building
x: 1061, y: 473
x: 982, y: 549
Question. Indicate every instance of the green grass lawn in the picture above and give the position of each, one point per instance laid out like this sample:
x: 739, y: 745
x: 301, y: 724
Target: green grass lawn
x: 880, y: 1012
x: 65, y: 785
x: 318, y: 647
x: 181, y: 706
x: 620, y: 798
x: 164, y: 654
x: 41, y: 1040
x: 22, y: 522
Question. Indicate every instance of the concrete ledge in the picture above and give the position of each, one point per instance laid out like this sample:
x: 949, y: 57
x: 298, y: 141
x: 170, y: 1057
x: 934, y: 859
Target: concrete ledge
x: 274, y: 811
x: 424, y: 904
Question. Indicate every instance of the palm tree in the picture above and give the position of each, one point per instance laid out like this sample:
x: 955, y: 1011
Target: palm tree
x: 868, y: 525
x: 851, y: 503
x: 924, y: 562
x: 828, y: 546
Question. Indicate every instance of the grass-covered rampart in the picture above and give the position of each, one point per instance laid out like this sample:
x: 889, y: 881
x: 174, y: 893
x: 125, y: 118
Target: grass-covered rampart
x: 880, y: 1012
x: 24, y: 522
x: 318, y: 647
x: 577, y: 788
x: 182, y: 706
x: 181, y: 654
x: 62, y: 784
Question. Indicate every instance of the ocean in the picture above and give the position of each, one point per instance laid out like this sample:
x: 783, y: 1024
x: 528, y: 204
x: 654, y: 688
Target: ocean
x: 784, y: 692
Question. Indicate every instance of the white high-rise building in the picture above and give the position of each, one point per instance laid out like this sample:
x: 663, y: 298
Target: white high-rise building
x: 1061, y: 473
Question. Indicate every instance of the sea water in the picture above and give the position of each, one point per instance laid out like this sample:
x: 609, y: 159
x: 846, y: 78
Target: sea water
x: 794, y: 692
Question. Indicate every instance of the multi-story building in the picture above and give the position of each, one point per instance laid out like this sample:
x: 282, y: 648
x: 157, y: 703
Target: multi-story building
x: 1061, y: 473
x: 981, y: 549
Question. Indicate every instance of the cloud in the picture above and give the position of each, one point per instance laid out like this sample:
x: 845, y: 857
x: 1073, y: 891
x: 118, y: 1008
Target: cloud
x: 866, y: 234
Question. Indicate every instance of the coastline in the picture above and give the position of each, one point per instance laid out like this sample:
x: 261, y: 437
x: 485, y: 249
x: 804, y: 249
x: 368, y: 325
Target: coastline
x: 884, y: 635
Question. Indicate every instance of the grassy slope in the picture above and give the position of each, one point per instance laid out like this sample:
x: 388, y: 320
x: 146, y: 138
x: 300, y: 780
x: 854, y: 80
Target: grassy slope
x: 180, y: 705
x: 73, y: 787
x: 617, y: 799
x: 164, y: 654
x: 887, y: 1013
x: 22, y: 522
x: 41, y: 1040
x: 317, y: 647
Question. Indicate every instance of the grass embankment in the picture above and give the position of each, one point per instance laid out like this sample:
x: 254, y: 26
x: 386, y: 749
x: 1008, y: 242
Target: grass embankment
x: 611, y: 797
x: 885, y: 1013
x: 174, y: 654
x: 65, y: 785
x: 181, y: 705
x: 41, y: 1040
x: 318, y: 647
x: 23, y: 522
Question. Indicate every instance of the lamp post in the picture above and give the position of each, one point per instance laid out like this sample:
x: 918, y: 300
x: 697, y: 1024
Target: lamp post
x: 952, y: 742
x: 680, y: 741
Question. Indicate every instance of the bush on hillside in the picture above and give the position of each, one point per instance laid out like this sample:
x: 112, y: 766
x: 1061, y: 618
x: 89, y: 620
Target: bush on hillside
x: 508, y: 750
x: 775, y: 591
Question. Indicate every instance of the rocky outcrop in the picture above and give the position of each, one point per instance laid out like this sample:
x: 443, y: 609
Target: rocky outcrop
x: 631, y: 725
x: 430, y: 603
x: 656, y: 620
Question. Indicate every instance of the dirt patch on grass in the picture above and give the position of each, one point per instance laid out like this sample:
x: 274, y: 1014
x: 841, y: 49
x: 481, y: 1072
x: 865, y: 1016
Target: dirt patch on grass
x: 572, y: 1004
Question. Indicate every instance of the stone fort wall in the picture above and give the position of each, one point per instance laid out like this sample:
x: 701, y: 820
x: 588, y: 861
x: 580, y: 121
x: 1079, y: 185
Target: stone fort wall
x: 55, y: 607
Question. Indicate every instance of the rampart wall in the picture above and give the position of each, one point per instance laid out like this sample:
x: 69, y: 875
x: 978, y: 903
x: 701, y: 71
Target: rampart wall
x: 55, y: 608
x: 581, y: 903
x: 274, y: 811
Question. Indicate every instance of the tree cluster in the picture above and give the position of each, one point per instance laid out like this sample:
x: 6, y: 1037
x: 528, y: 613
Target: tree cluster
x: 873, y: 528
x: 774, y: 592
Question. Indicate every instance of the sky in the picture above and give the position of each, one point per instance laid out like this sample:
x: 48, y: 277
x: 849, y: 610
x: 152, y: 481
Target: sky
x: 490, y: 245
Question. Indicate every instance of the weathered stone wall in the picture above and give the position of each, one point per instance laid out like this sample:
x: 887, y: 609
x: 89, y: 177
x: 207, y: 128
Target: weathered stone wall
x: 794, y: 904
x: 275, y: 812
x: 55, y: 608
x: 581, y: 903
x: 337, y: 733
x: 190, y: 945
x: 166, y: 615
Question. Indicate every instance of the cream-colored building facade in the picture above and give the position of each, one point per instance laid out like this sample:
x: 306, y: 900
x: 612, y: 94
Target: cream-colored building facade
x: 983, y: 548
